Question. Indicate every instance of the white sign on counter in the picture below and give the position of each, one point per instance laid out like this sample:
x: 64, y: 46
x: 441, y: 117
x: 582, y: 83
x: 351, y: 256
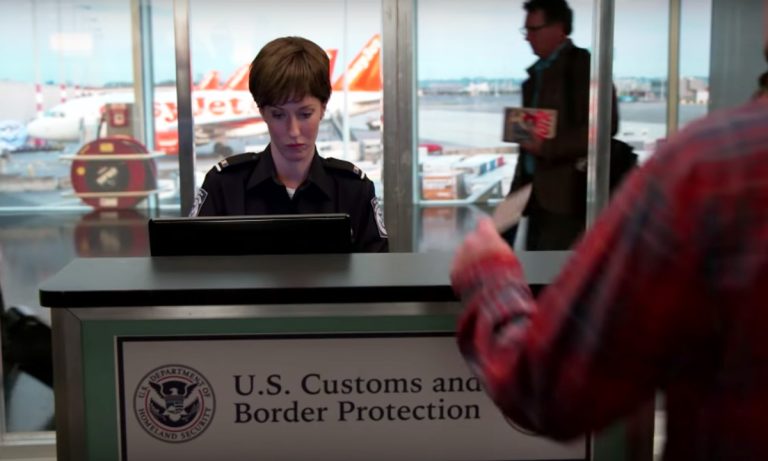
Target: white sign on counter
x: 316, y: 397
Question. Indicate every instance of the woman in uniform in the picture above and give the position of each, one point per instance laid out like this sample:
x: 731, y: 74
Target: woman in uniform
x: 291, y: 84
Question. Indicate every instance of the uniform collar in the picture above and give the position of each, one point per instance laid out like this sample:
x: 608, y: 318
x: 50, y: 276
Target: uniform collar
x: 545, y: 63
x: 319, y: 177
x: 265, y: 170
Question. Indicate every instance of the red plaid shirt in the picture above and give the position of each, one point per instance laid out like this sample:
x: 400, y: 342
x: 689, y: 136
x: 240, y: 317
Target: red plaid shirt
x: 668, y: 291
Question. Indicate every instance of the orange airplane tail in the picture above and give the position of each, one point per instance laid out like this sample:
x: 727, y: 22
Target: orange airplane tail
x: 209, y: 82
x: 332, y: 55
x: 364, y: 72
x: 239, y: 79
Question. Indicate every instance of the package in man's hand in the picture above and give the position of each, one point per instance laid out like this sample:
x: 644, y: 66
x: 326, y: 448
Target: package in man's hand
x: 521, y: 123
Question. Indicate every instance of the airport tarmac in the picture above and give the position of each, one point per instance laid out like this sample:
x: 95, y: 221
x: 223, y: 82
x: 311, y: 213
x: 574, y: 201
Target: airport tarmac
x: 41, y: 179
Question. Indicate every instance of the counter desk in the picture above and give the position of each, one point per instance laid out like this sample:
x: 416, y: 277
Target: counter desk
x: 321, y: 357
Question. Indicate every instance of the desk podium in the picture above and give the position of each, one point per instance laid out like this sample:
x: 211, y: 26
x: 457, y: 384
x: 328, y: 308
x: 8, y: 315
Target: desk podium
x: 318, y: 357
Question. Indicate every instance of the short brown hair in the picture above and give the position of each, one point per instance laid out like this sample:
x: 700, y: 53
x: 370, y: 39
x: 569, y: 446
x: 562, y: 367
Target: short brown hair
x: 288, y: 69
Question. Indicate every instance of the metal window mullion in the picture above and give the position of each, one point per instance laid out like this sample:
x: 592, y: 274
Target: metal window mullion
x: 184, y: 105
x: 143, y: 72
x: 600, y: 116
x: 399, y: 129
x: 673, y: 70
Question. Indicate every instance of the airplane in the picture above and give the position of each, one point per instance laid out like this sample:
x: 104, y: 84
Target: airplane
x: 13, y: 136
x: 362, y: 81
x: 210, y: 81
x: 220, y: 111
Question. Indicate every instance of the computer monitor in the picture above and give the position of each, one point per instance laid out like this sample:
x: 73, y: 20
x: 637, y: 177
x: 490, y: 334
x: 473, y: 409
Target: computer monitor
x: 242, y: 235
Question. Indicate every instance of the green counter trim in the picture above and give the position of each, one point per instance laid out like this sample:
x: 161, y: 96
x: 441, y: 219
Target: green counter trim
x: 99, y: 355
x: 100, y: 371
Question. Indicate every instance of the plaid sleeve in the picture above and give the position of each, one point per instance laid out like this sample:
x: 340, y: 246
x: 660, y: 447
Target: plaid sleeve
x: 592, y: 346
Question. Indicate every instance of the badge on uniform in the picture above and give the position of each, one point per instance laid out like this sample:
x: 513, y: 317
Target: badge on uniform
x: 358, y: 172
x: 197, y: 204
x: 221, y: 165
x: 378, y: 214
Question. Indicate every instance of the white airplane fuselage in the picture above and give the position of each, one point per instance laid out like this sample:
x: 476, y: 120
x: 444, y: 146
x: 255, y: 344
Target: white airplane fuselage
x: 218, y: 113
x: 224, y: 112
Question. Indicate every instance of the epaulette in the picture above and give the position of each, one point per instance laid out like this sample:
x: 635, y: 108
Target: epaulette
x: 344, y: 166
x: 236, y: 160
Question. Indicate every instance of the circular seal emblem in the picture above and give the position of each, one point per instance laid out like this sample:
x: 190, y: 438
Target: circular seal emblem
x: 200, y: 197
x: 174, y: 403
x: 378, y: 214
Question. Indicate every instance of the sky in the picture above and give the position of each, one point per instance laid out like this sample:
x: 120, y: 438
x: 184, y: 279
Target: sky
x: 88, y: 42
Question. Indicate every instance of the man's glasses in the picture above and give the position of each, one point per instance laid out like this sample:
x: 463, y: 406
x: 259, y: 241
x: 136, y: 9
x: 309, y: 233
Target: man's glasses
x: 531, y: 29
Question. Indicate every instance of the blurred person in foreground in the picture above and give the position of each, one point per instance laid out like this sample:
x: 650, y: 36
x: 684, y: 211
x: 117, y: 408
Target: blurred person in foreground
x: 290, y: 81
x: 558, y: 80
x: 668, y: 291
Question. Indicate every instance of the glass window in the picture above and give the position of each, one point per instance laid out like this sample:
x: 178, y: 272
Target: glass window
x: 641, y: 68
x: 695, y: 39
x: 61, y: 62
x: 72, y: 82
x: 467, y: 79
x: 473, y: 60
x: 643, y: 98
x: 224, y: 41
x: 71, y: 58
x: 64, y: 69
x: 640, y: 72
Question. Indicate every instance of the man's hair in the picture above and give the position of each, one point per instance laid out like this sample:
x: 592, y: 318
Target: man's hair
x: 288, y: 69
x: 554, y: 10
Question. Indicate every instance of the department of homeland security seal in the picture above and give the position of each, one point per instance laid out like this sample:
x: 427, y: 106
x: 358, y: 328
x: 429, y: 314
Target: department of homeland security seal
x: 197, y: 204
x: 378, y: 215
x: 174, y: 403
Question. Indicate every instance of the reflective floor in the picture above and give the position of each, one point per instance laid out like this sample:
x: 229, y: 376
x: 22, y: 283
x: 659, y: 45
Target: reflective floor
x: 34, y: 246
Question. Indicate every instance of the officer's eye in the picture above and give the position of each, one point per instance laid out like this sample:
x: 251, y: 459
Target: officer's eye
x: 306, y: 115
x: 278, y: 115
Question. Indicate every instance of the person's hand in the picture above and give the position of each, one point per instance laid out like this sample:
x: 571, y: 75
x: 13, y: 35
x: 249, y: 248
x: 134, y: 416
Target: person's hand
x: 532, y: 145
x: 480, y: 243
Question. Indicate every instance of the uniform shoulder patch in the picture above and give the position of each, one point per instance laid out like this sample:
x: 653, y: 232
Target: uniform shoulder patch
x: 197, y: 204
x: 344, y: 166
x: 238, y: 159
x: 378, y: 215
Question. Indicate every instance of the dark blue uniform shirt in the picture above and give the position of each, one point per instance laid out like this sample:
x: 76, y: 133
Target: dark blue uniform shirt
x: 246, y: 184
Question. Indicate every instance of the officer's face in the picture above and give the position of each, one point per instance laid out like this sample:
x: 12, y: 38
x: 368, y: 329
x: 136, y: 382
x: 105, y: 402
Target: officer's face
x: 293, y: 127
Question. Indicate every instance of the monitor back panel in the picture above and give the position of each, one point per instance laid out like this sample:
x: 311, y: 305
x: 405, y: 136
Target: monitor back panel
x: 242, y: 235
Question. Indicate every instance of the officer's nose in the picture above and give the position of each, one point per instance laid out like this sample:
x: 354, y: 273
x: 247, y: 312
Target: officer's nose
x: 293, y: 127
